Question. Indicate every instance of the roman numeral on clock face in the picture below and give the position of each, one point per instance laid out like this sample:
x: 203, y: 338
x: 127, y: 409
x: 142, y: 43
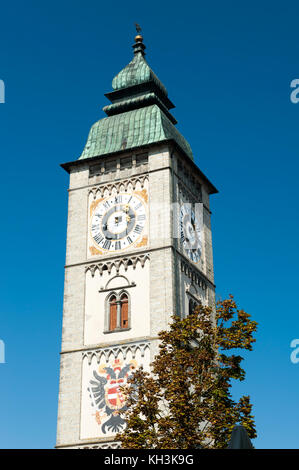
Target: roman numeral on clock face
x: 107, y: 244
x: 138, y: 229
x: 117, y: 245
x: 98, y: 238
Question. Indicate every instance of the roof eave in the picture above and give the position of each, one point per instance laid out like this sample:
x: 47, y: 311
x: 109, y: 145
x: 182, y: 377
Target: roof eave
x: 150, y: 85
x: 211, y: 188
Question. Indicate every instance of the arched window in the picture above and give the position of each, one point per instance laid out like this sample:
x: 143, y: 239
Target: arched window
x: 117, y: 312
x: 124, y: 311
x: 112, y: 313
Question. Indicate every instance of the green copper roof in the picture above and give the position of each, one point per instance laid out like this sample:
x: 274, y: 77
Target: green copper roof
x: 139, y: 114
x: 139, y: 101
x: 136, y: 72
x: 132, y: 129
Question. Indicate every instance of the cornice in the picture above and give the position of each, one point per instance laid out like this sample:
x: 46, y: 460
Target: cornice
x: 98, y: 443
x: 111, y: 345
x: 110, y: 258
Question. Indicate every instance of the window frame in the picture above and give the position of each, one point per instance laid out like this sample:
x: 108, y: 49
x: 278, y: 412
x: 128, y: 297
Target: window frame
x: 118, y: 296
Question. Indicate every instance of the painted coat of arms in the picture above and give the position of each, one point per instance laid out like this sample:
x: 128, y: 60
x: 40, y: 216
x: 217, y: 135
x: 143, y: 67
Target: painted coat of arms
x: 106, y: 396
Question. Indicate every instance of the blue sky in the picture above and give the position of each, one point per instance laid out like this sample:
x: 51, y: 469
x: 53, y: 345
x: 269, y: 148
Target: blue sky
x: 227, y: 67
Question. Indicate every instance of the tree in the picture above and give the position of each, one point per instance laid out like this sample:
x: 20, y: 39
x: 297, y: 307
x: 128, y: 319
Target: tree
x: 186, y: 401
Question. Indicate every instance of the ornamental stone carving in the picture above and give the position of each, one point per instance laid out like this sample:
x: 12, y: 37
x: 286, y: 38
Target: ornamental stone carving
x: 124, y: 349
x: 108, y: 188
x: 117, y: 263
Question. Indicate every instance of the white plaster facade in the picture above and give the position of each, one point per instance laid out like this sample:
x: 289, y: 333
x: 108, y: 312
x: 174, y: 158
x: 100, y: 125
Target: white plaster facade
x: 157, y: 276
x: 134, y: 281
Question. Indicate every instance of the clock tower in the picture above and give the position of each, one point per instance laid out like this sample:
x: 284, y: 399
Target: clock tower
x: 136, y: 251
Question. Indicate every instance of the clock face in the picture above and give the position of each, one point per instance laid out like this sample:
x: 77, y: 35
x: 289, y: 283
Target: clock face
x: 118, y: 222
x: 190, y: 233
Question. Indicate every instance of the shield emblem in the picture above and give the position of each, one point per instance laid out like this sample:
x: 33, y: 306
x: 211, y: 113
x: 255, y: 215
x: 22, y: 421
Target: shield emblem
x: 114, y: 397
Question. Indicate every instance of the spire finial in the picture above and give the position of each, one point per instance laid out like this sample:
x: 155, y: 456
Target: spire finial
x: 138, y: 46
x: 138, y: 28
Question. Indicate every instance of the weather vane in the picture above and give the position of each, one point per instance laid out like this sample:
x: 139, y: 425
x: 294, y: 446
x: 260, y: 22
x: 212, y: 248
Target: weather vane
x: 138, y: 27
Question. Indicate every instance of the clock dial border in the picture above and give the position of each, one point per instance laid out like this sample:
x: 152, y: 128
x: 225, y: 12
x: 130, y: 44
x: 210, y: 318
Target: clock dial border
x: 136, y: 208
x: 197, y: 233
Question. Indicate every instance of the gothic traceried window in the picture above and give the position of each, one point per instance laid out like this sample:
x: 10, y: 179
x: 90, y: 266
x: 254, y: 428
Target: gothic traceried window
x: 117, y: 312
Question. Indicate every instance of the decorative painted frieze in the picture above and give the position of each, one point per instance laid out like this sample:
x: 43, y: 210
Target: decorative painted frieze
x: 117, y: 263
x: 125, y: 349
x: 109, y: 188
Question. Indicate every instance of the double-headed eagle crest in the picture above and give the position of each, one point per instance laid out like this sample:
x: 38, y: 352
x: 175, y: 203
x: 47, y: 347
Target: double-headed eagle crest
x: 106, y: 396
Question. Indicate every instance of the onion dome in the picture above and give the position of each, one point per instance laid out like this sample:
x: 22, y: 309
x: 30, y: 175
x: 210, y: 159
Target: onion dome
x: 138, y: 114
